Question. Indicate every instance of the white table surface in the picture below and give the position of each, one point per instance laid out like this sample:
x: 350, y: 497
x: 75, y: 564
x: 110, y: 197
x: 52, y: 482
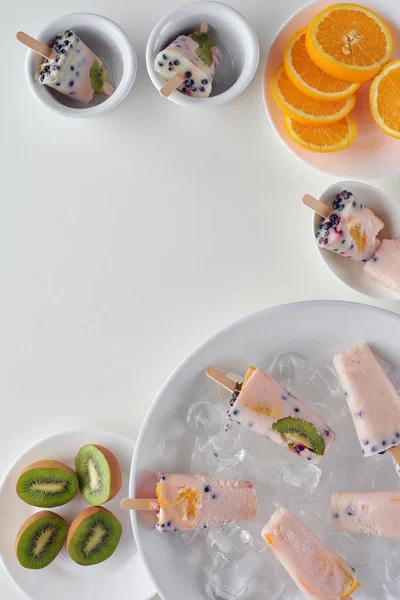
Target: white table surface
x: 117, y: 257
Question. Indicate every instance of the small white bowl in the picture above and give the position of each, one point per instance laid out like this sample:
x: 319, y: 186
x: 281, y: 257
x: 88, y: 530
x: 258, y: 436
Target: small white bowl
x: 109, y: 42
x: 351, y: 272
x: 235, y: 38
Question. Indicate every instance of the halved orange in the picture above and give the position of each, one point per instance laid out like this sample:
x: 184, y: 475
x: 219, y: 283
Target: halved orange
x: 349, y: 42
x: 308, y: 77
x: 323, y: 138
x: 384, y: 98
x: 302, y: 108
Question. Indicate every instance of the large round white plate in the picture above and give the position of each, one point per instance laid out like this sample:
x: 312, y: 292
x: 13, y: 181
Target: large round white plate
x: 373, y: 154
x: 314, y: 330
x: 122, y: 576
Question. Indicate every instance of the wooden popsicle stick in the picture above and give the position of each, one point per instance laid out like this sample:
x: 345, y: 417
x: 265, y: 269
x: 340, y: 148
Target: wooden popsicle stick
x: 204, y: 28
x: 35, y: 45
x: 222, y: 379
x: 396, y: 454
x: 171, y: 85
x: 317, y: 206
x: 139, y: 504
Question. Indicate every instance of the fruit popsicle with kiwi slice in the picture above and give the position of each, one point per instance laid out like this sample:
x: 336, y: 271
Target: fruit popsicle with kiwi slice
x: 194, y: 58
x: 318, y: 572
x: 265, y: 407
x: 75, y: 70
x: 384, y: 267
x: 351, y: 229
x: 186, y: 502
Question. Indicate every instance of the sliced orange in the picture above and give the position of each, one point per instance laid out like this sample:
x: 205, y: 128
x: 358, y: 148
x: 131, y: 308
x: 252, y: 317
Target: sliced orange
x: 308, y: 77
x: 325, y: 138
x: 384, y: 97
x: 302, y: 108
x: 349, y: 42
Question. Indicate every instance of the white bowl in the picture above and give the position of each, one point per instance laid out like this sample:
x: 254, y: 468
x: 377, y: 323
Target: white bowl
x: 235, y: 38
x: 349, y: 271
x: 374, y: 154
x: 109, y: 42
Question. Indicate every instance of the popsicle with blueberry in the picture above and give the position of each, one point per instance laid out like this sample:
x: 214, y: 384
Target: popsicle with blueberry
x: 371, y: 513
x: 189, y: 64
x: 196, y: 501
x: 70, y: 67
x: 348, y: 227
x: 373, y: 401
x: 318, y: 572
x: 265, y: 407
x: 384, y: 267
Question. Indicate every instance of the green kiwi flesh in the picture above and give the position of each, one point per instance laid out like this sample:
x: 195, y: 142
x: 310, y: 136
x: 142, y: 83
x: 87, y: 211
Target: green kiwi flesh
x: 94, y: 475
x: 298, y: 431
x: 39, y: 543
x: 95, y: 539
x: 47, y: 487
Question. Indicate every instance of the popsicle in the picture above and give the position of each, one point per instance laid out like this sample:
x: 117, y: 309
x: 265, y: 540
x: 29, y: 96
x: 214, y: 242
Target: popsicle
x: 372, y: 399
x: 265, y: 407
x: 371, y: 513
x: 350, y: 228
x: 318, y: 572
x: 195, y: 501
x: 70, y: 67
x: 384, y: 267
x: 191, y: 61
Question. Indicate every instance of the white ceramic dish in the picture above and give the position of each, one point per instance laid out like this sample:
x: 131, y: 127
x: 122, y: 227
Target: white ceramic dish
x: 373, y: 154
x: 63, y: 578
x: 235, y: 38
x: 314, y: 330
x: 109, y: 42
x: 349, y: 271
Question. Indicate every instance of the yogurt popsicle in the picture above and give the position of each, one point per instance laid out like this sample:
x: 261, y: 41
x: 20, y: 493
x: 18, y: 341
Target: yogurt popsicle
x: 265, y: 407
x: 195, y: 58
x: 351, y: 229
x: 372, y: 399
x: 318, y: 572
x: 195, y: 501
x: 384, y: 267
x: 75, y: 71
x: 371, y: 513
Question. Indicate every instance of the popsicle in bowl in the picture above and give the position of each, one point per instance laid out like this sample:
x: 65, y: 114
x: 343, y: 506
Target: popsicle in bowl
x: 265, y: 407
x: 384, y: 267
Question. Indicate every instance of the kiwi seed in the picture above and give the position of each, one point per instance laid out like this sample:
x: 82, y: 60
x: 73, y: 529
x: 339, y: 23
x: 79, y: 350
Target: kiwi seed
x: 47, y: 483
x: 40, y: 539
x: 99, y: 474
x: 93, y: 536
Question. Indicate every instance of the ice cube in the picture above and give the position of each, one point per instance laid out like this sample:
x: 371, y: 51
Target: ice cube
x: 187, y: 536
x: 263, y: 587
x: 231, y: 542
x: 204, y: 417
x: 314, y: 512
x: 254, y: 529
x: 323, y: 382
x: 203, y: 460
x: 305, y: 476
x: 229, y: 579
x: 223, y: 395
x: 387, y: 367
x: 289, y: 370
x: 227, y: 446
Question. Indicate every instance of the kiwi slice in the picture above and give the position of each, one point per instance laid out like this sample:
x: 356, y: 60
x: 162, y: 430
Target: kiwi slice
x: 93, y: 536
x: 40, y: 539
x: 298, y: 432
x: 47, y: 483
x: 99, y: 474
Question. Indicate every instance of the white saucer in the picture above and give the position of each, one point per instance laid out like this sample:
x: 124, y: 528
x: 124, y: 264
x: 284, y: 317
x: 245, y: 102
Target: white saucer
x: 349, y: 271
x: 123, y: 574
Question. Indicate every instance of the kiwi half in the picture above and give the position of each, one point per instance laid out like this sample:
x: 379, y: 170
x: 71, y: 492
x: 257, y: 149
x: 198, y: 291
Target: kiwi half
x: 40, y: 539
x: 99, y: 474
x: 298, y: 432
x: 93, y: 536
x: 47, y: 483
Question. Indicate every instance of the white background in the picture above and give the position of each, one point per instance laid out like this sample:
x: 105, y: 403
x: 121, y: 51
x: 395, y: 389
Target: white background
x: 118, y: 254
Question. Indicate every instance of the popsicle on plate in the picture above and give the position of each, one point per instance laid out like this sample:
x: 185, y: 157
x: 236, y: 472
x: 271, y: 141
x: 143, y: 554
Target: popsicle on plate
x: 194, y: 58
x: 318, y: 572
x: 75, y: 70
x: 265, y: 407
x: 351, y: 229
x: 384, y: 267
x: 371, y: 513
x: 372, y: 399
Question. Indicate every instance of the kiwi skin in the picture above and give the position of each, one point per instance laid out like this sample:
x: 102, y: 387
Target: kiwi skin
x: 47, y: 464
x: 115, y: 475
x: 32, y: 519
x: 84, y: 514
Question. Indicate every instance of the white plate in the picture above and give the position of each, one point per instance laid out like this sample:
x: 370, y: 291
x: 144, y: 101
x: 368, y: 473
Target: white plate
x: 373, y: 154
x: 313, y: 330
x: 63, y: 579
x: 349, y: 271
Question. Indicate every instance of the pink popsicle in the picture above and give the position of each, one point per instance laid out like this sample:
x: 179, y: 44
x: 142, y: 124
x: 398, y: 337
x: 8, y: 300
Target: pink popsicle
x: 384, y: 267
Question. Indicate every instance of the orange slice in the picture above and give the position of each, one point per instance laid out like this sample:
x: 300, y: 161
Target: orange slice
x: 308, y: 77
x: 349, y: 42
x: 325, y: 138
x: 302, y: 108
x: 384, y: 99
